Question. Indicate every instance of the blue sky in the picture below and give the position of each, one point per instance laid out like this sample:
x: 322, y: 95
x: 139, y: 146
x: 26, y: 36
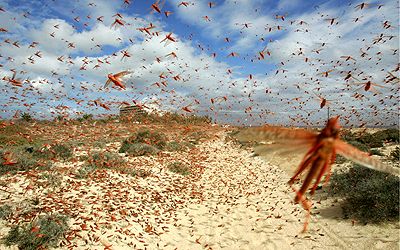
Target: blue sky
x: 309, y: 49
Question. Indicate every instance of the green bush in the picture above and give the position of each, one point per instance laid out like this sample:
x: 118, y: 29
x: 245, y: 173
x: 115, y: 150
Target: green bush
x: 100, y: 160
x: 179, y: 168
x: 10, y: 135
x: 87, y: 116
x: 395, y: 154
x: 347, y: 135
x: 340, y: 159
x: 106, y: 160
x: 369, y: 195
x: 5, y: 211
x: 389, y: 135
x: 46, y: 231
x: 174, y: 146
x: 26, y: 117
x: 59, y: 151
x: 184, y: 119
x: 155, y: 139
x: 85, y: 171
x: 140, y: 173
x: 378, y: 138
x: 138, y: 149
x: 143, y: 143
x: 24, y: 161
x: 53, y: 180
x: 62, y: 151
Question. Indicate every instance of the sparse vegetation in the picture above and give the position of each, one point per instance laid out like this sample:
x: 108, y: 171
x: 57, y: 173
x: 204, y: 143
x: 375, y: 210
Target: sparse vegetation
x: 85, y: 117
x: 100, y: 144
x: 369, y: 142
x: 195, y: 137
x: 106, y: 160
x: 26, y: 117
x: 143, y: 143
x: 395, y: 154
x: 53, y: 179
x: 100, y: 160
x: 175, y: 146
x: 369, y: 195
x: 140, y: 173
x: 138, y: 149
x: 5, y: 211
x: 179, y: 168
x: 20, y: 160
x: 378, y: 138
x: 62, y: 151
x: 11, y: 135
x: 42, y: 233
x: 84, y: 171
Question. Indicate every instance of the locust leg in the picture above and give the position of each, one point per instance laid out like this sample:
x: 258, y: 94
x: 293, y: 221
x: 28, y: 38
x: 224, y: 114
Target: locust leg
x: 325, y: 167
x: 317, y: 163
x: 306, y: 161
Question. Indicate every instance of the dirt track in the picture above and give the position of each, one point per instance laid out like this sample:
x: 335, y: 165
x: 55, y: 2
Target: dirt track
x: 248, y: 205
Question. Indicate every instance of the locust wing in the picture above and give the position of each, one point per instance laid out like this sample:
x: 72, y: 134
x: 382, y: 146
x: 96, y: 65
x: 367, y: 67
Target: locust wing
x: 363, y: 158
x: 107, y: 83
x: 121, y: 74
x: 277, y: 139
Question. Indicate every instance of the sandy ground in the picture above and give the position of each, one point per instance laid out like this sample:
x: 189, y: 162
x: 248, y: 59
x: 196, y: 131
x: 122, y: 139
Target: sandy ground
x: 232, y: 201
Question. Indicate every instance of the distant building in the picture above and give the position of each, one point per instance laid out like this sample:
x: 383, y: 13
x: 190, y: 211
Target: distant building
x: 132, y: 111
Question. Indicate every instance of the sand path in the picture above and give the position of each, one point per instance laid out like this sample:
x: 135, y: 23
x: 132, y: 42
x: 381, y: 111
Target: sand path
x: 247, y: 205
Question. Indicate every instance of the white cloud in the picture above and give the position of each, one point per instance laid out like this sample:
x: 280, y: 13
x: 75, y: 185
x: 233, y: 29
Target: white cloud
x: 200, y: 78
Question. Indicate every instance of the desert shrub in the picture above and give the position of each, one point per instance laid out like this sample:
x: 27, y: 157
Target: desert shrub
x: 389, y: 135
x: 138, y: 149
x: 62, y: 151
x: 11, y: 135
x: 155, y: 139
x: 395, y: 154
x: 87, y: 116
x: 5, y: 211
x: 143, y: 142
x: 60, y: 118
x: 106, y: 160
x: 179, y: 168
x: 378, y: 138
x: 347, y: 135
x: 370, y: 140
x: 53, y: 179
x: 26, y: 117
x: 340, y: 159
x: 369, y: 195
x: 84, y: 171
x: 184, y: 119
x: 46, y: 231
x: 100, y: 144
x: 175, y: 146
x: 99, y: 160
x: 59, y: 151
x: 22, y: 161
x: 139, y: 172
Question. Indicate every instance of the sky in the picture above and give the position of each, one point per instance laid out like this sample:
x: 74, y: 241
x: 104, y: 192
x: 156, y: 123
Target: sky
x: 239, y: 62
